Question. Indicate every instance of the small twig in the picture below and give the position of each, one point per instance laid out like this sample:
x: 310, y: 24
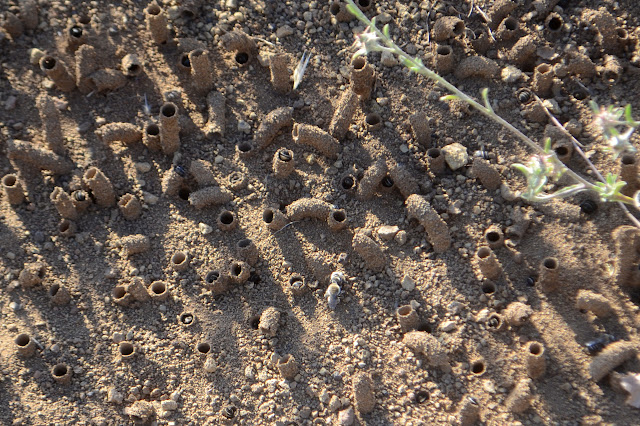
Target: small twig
x: 486, y: 18
x: 286, y: 226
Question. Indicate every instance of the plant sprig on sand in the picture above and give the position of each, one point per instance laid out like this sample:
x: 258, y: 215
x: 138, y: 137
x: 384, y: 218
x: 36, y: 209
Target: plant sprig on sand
x: 544, y: 167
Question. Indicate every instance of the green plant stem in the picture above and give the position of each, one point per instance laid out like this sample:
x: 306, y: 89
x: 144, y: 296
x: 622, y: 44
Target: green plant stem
x: 578, y: 147
x: 417, y: 67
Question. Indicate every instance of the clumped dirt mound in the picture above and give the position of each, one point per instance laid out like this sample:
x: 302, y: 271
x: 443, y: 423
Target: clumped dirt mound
x: 173, y: 213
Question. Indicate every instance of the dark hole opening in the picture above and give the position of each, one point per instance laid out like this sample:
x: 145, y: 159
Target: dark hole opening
x: 178, y: 258
x: 364, y: 3
x: 23, y: 340
x: 443, y: 50
x: 54, y: 290
x: 493, y: 236
x: 236, y: 269
x: 458, y: 28
x: 477, y: 367
x: 185, y: 61
x: 226, y: 218
x: 49, y: 63
x: 422, y: 396
x: 373, y: 119
x: 555, y: 23
x: 348, y: 182
x: 358, y: 63
x: 242, y: 58
x: 60, y: 370
x: 628, y: 159
x: 335, y: 8
x: 339, y: 216
x: 243, y: 243
x: 267, y: 216
x: 184, y: 193
x: 511, y: 24
x: 153, y: 9
x: 119, y: 292
x: 254, y: 278
x: 9, y: 180
x: 535, y: 349
x: 426, y: 327
x: 387, y: 182
x: 204, y: 347
x: 550, y: 263
x: 433, y: 152
x: 484, y: 252
x: 245, y: 146
x: 153, y: 129
x: 64, y: 226
x: 133, y: 68
x: 168, y: 110
x: 254, y: 322
x: 561, y: 151
x: 488, y: 288
x: 80, y: 195
x: 126, y: 348
x: 158, y: 288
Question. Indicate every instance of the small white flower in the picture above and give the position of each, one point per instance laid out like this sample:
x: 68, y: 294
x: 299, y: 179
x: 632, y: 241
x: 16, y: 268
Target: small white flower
x: 298, y: 74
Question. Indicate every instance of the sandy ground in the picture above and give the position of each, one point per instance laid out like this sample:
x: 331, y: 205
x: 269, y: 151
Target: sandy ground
x: 240, y: 379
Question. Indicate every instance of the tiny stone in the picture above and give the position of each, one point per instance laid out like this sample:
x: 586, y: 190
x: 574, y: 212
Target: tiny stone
x: 388, y: 60
x: 456, y: 155
x: 114, y: 397
x: 346, y: 417
x: 169, y: 405
x: 401, y: 237
x: 511, y: 74
x: 143, y: 167
x: 447, y: 326
x: 204, y: 228
x: 284, y: 31
x: 35, y: 55
x: 10, y: 103
x: 408, y: 283
x: 404, y: 148
x: 243, y: 126
x: 210, y: 365
x: 149, y: 198
x: 118, y: 337
x: 387, y: 232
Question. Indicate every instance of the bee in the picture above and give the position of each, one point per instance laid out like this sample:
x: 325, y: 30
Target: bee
x: 524, y: 96
x: 588, y: 206
x: 180, y: 170
x: 596, y: 345
x: 483, y: 153
x: 334, y: 290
